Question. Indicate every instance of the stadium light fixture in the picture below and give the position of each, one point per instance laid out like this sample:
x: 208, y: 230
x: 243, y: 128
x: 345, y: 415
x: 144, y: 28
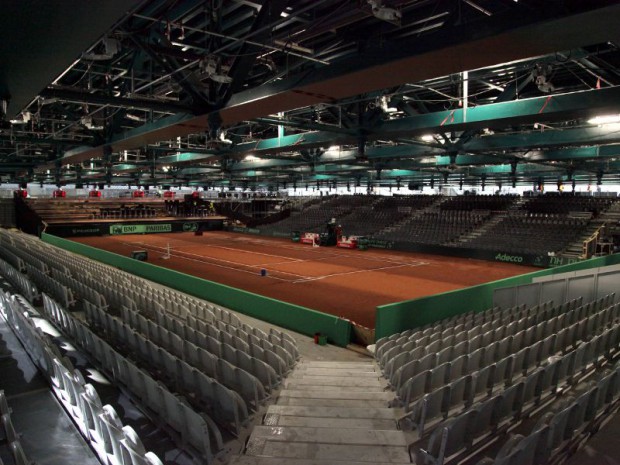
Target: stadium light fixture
x: 427, y: 138
x: 605, y: 119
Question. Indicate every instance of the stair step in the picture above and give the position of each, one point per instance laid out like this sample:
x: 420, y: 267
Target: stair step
x: 325, y: 452
x: 319, y: 422
x: 301, y: 402
x: 338, y: 394
x: 368, y: 437
x: 332, y: 372
x: 318, y: 387
x: 336, y: 381
x: 319, y: 364
x: 249, y: 460
x: 330, y: 412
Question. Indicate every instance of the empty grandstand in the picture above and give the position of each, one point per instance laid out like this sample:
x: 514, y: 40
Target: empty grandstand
x: 311, y: 232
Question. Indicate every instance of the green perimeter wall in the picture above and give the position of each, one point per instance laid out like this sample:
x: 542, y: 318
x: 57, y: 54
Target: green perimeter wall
x: 301, y: 319
x: 400, y: 316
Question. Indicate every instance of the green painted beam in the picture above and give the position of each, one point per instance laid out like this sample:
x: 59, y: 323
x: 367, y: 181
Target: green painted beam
x: 608, y: 134
x: 580, y: 153
x: 383, y: 66
x: 499, y: 115
x: 557, y: 107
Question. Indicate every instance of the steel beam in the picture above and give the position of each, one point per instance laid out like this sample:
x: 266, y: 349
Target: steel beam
x: 595, y: 135
x: 120, y: 102
x: 505, y: 40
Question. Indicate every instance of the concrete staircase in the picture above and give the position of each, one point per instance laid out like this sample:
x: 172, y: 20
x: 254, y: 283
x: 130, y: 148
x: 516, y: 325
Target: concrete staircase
x: 610, y: 216
x: 414, y: 214
x: 330, y: 413
x: 477, y: 232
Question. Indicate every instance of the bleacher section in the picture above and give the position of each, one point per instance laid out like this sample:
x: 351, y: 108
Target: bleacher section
x: 533, y: 233
x: 64, y: 210
x: 503, y: 223
x: 542, y: 224
x: 521, y: 384
x: 369, y: 220
x: 99, y: 424
x: 193, y: 366
x: 564, y: 204
x: 435, y: 227
x: 313, y: 217
x: 524, y: 385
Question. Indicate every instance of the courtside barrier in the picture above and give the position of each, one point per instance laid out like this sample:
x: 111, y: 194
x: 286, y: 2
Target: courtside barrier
x: 294, y: 317
x: 400, y: 316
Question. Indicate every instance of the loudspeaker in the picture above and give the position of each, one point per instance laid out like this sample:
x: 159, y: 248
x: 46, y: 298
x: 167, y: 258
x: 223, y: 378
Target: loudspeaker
x: 141, y: 255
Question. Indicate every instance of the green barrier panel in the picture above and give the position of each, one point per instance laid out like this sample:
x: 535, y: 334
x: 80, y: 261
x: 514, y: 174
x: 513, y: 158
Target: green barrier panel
x: 301, y: 319
x: 400, y: 316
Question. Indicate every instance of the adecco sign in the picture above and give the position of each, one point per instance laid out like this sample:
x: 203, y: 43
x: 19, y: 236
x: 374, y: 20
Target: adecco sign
x: 502, y: 257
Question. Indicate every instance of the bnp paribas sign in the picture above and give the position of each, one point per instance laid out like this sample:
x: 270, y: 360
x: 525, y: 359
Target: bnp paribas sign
x: 116, y: 229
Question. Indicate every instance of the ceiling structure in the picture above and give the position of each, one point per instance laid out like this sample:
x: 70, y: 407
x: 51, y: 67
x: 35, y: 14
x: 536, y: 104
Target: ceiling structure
x: 277, y: 93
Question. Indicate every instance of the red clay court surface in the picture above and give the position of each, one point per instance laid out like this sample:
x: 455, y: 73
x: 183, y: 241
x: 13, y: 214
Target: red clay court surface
x: 347, y: 283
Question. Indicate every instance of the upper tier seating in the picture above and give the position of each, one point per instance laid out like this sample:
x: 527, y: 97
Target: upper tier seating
x: 64, y: 210
x: 529, y: 233
x: 478, y: 202
x: 532, y: 225
x: 565, y: 203
x: 435, y: 227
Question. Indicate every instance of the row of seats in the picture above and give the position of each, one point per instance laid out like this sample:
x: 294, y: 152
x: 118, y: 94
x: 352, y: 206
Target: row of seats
x: 479, y: 202
x: 128, y: 212
x: 487, y: 320
x: 193, y: 430
x: 518, y: 352
x: 525, y: 235
x: 467, y: 391
x: 435, y: 227
x: 8, y: 435
x: 552, y: 435
x: 121, y: 289
x: 28, y: 258
x: 507, y: 337
x: 114, y: 443
x: 386, y: 343
x: 170, y: 356
x: 267, y: 367
x: 19, y: 281
x: 475, y: 426
x: 47, y: 284
x: 567, y: 202
x: 35, y: 251
x: 490, y: 370
x: 78, y: 289
x: 117, y: 443
x: 398, y: 219
x: 467, y: 320
x: 12, y: 259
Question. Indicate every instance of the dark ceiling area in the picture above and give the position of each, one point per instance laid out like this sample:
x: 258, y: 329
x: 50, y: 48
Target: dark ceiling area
x: 275, y: 93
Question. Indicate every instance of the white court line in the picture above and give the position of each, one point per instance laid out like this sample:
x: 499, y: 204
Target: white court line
x: 251, y: 252
x: 282, y: 263
x: 191, y: 244
x: 206, y: 261
x: 326, y: 254
x: 302, y: 278
x: 351, y: 272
